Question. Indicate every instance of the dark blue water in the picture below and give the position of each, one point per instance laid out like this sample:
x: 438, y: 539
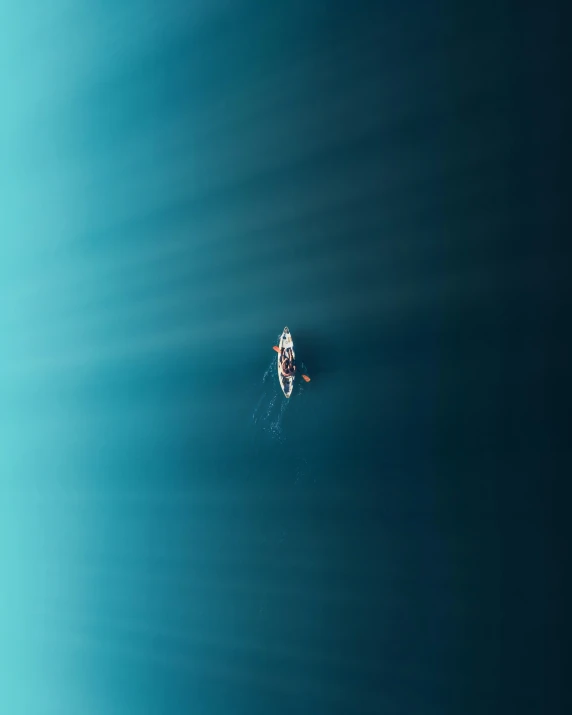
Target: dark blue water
x: 179, y: 182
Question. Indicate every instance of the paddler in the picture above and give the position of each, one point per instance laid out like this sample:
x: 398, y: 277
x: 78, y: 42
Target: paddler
x: 287, y: 367
x: 286, y: 363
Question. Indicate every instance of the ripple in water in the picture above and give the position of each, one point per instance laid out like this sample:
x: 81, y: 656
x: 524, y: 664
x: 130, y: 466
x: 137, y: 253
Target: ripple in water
x: 272, y: 405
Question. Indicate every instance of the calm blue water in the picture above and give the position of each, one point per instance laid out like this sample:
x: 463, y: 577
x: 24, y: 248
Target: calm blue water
x: 179, y: 182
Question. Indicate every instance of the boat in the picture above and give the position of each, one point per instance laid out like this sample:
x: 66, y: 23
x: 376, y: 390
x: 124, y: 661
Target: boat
x: 286, y: 351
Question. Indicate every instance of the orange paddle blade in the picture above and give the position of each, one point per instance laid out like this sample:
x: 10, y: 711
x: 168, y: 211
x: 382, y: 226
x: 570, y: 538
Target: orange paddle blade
x: 305, y: 377
x: 275, y: 347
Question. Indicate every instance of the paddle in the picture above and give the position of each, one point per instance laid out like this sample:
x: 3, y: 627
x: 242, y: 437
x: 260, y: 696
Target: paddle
x: 304, y: 377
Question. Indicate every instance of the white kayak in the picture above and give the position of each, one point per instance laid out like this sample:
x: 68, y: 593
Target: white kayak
x: 286, y: 354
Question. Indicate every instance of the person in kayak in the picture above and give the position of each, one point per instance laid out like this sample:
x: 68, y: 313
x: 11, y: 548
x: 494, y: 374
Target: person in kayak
x: 286, y: 371
x: 287, y: 366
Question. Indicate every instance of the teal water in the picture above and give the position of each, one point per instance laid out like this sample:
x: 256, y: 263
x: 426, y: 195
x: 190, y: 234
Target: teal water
x: 178, y: 184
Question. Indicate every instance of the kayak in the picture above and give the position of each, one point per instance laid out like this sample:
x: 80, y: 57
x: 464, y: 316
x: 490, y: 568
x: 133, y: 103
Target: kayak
x: 286, y: 346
